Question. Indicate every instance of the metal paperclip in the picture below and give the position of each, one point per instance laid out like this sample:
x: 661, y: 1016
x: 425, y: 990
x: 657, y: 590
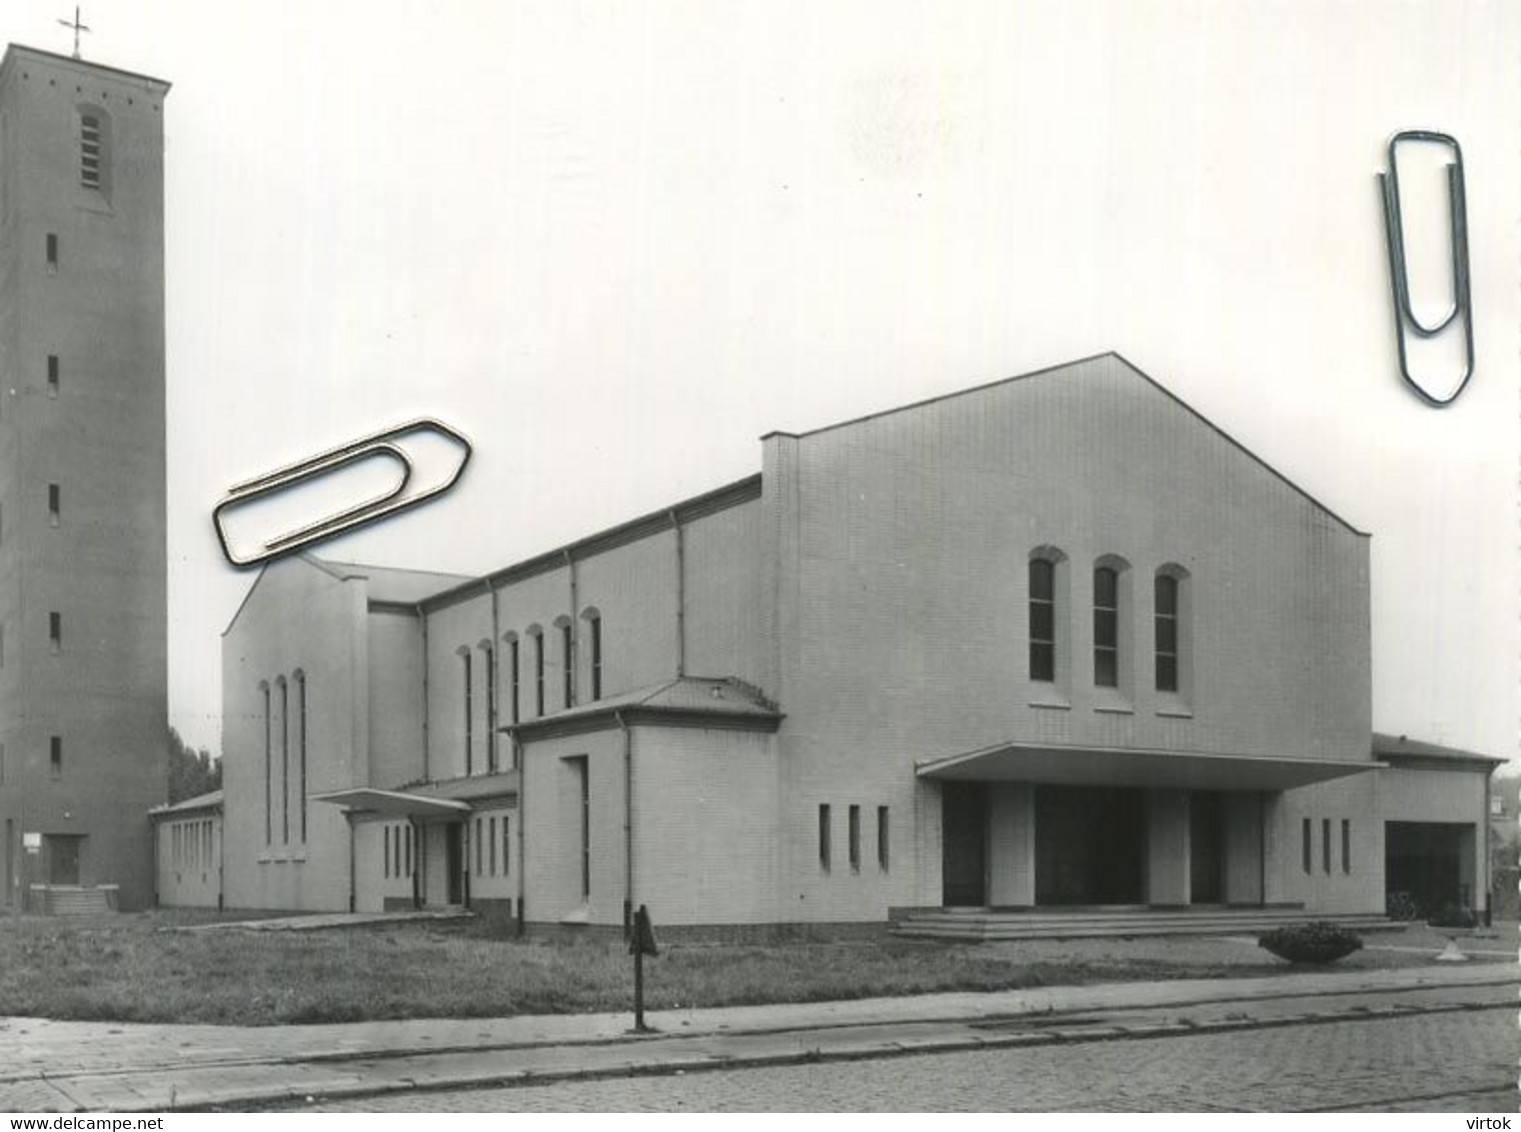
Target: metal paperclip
x: 1394, y: 230
x: 356, y: 515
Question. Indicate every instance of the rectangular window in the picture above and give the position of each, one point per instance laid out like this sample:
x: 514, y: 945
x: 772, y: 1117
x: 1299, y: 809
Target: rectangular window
x: 1308, y: 863
x: 469, y: 710
x: 52, y: 375
x: 55, y: 756
x: 824, y: 847
x: 55, y: 630
x: 512, y: 658
x: 1106, y: 628
x: 55, y: 504
x: 52, y: 251
x: 583, y: 772
x: 480, y: 852
x: 386, y: 836
x: 883, y: 841
x: 1042, y: 620
x: 1167, y: 632
x: 284, y: 762
x: 406, y: 841
x: 853, y: 843
x: 506, y: 845
x: 1346, y: 846
x: 596, y: 658
x: 1325, y: 844
x: 538, y: 673
x: 567, y: 654
x: 491, y: 840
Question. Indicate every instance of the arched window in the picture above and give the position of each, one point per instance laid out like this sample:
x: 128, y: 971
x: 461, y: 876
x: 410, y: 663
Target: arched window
x: 300, y: 679
x: 513, y: 676
x: 489, y: 654
x: 464, y: 655
x: 536, y: 634
x: 1043, y: 620
x: 1171, y: 631
x: 1106, y: 627
x: 567, y: 661
x: 284, y: 759
x: 593, y: 618
x: 269, y: 825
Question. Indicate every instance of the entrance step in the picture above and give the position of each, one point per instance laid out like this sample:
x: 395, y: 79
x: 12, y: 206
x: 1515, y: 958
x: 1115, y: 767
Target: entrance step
x: 73, y: 900
x: 980, y: 925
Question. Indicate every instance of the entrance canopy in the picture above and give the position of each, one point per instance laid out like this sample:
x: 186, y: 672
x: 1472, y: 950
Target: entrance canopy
x: 1117, y: 766
x: 393, y: 803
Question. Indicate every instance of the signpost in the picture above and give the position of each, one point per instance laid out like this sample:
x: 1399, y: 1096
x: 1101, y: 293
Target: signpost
x: 641, y: 944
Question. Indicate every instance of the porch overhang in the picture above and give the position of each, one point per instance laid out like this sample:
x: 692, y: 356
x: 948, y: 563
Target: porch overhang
x: 1123, y: 766
x: 393, y: 803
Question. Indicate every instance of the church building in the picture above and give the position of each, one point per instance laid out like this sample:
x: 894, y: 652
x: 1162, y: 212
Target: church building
x: 1054, y: 642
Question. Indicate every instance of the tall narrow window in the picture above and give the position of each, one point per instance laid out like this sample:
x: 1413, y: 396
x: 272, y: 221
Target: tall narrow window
x: 269, y: 827
x: 406, y: 841
x: 301, y: 744
x: 480, y: 852
x: 595, y: 627
x: 52, y: 375
x: 55, y: 631
x: 883, y: 840
x: 89, y: 151
x: 1106, y: 627
x: 1325, y: 844
x: 1346, y: 846
x: 490, y: 709
x: 55, y: 756
x: 506, y: 845
x: 1308, y: 863
x: 55, y: 504
x: 1167, y: 632
x: 385, y: 831
x: 853, y: 828
x: 1042, y: 620
x: 284, y: 761
x: 491, y: 840
x: 513, y: 674
x: 567, y: 655
x: 824, y: 846
x: 469, y: 709
x: 538, y: 673
x: 52, y: 251
x: 583, y: 768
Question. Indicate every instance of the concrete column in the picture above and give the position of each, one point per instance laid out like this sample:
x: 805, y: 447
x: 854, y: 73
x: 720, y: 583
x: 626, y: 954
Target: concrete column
x: 1243, y: 848
x: 1011, y: 844
x: 1167, y: 849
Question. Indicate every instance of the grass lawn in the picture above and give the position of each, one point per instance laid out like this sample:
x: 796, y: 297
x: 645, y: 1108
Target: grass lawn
x: 123, y: 968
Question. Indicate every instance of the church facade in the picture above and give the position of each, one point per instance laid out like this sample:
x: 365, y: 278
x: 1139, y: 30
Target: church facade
x: 1056, y: 641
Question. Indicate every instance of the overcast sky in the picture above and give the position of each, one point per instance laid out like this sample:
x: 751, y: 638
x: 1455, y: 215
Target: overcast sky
x: 616, y: 242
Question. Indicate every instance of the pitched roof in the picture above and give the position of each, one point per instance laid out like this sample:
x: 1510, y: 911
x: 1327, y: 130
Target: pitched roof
x: 210, y: 800
x: 1400, y: 746
x: 719, y: 697
x: 390, y: 583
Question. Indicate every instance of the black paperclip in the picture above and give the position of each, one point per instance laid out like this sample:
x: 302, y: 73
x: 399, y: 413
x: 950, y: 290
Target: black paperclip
x: 1394, y: 231
x: 356, y: 515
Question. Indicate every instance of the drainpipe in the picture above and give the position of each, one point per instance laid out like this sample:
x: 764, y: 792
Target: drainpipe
x: 1484, y: 855
x: 1262, y: 848
x: 414, y: 831
x: 517, y: 761
x: 628, y: 824
x: 492, y: 696
x: 348, y: 818
x: 681, y: 597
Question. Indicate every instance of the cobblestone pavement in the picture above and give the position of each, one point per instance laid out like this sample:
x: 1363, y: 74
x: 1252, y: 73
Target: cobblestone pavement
x: 1463, y: 1062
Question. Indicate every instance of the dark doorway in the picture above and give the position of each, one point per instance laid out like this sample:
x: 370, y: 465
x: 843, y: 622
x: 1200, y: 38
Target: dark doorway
x: 1429, y: 863
x: 63, y: 858
x: 1206, y: 843
x: 454, y: 842
x: 963, y: 824
x: 1090, y: 845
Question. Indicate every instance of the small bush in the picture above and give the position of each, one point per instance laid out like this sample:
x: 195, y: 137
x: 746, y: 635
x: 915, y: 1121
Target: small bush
x: 1318, y: 943
x: 1402, y: 906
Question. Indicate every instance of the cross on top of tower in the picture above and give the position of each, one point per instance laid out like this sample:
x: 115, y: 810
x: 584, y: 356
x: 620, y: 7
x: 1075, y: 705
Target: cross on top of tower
x: 77, y: 26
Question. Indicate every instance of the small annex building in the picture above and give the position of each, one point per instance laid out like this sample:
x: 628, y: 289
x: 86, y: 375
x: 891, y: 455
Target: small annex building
x: 1057, y: 641
x: 187, y: 852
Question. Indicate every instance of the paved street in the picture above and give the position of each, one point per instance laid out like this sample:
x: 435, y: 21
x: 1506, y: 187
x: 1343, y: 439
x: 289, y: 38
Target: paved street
x: 1426, y: 1062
